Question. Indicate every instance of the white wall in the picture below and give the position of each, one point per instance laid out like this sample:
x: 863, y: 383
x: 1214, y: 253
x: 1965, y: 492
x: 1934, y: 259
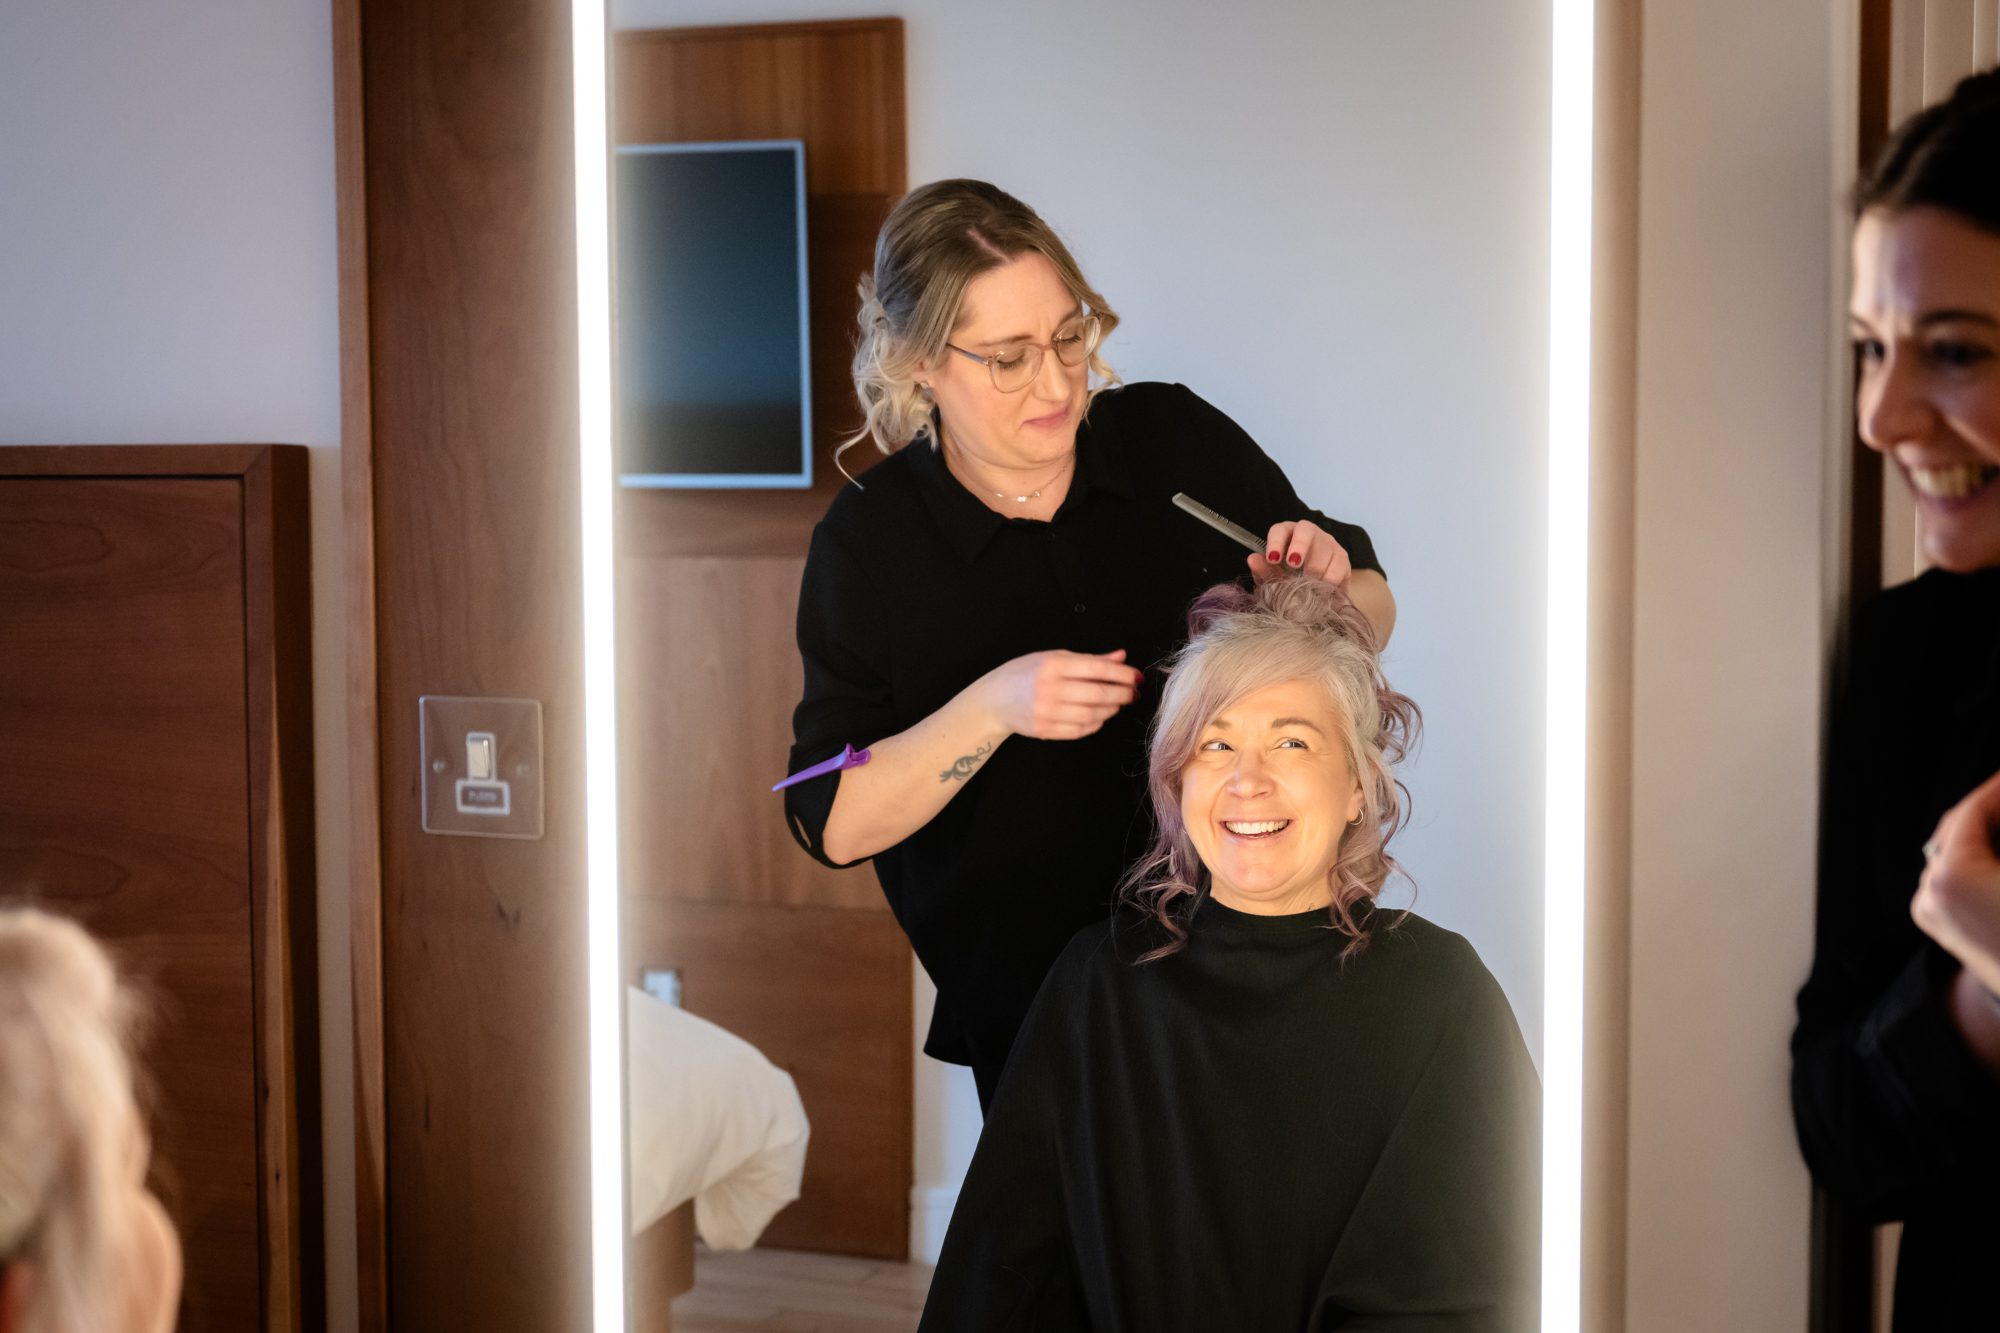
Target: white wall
x: 1331, y: 221
x: 1737, y: 387
x: 167, y: 276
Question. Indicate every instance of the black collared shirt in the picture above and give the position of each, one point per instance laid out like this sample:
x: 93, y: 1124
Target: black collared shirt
x: 914, y: 589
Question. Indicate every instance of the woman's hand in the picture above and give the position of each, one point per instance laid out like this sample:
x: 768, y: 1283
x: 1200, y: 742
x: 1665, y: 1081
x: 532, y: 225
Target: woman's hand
x: 1051, y: 696
x: 1958, y: 905
x: 1958, y: 898
x: 1301, y: 548
x: 1059, y: 695
x: 1304, y: 549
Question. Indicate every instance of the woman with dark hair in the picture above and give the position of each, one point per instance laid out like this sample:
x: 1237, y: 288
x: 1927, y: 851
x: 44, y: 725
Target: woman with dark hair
x: 976, y: 612
x: 1896, y: 1059
x: 1253, y: 1100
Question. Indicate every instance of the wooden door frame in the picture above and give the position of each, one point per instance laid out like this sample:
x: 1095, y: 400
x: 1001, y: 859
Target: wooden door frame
x: 364, y: 787
x: 284, y: 953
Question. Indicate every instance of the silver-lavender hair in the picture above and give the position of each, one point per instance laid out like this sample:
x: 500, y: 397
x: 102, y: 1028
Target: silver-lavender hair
x: 1240, y: 642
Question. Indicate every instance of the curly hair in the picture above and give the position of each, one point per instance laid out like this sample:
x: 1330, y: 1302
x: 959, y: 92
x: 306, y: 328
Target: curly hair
x: 1240, y: 642
x: 936, y: 240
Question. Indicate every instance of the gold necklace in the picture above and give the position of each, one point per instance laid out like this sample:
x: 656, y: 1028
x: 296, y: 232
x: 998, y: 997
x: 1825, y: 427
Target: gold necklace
x: 1068, y: 463
x: 1033, y: 495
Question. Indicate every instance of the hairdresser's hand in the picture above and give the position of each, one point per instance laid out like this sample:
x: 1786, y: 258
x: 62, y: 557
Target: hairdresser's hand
x: 1058, y: 695
x: 1958, y: 898
x: 1304, y: 549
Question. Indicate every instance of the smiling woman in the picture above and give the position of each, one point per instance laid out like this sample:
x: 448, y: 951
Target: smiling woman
x: 1895, y: 1057
x: 1253, y: 1100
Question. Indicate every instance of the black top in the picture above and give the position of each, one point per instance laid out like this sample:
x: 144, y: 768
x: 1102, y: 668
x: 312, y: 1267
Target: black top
x: 1252, y: 1135
x: 914, y: 589
x: 1895, y: 1116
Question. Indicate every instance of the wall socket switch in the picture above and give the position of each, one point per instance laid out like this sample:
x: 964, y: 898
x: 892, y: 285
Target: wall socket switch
x: 482, y: 761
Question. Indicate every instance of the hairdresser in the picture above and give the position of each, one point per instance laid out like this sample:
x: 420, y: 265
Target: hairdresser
x: 1896, y: 1060
x: 980, y: 610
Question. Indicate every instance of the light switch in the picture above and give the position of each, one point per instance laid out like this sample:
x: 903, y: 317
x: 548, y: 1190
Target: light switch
x: 479, y: 756
x: 482, y: 766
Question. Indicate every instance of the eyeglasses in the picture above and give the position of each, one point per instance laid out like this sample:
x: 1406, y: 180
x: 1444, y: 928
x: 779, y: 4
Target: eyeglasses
x: 1014, y: 368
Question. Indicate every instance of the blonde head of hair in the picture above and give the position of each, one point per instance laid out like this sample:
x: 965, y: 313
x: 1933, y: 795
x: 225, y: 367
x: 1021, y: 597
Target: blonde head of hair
x: 72, y: 1145
x: 936, y: 240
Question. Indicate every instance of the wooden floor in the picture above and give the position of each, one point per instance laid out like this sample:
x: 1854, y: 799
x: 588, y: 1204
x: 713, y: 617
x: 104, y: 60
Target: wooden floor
x: 787, y: 1291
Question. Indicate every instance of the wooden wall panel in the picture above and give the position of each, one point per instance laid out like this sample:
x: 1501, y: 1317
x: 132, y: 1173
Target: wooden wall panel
x: 804, y: 962
x: 710, y: 667
x: 837, y: 85
x: 471, y: 304
x: 156, y: 783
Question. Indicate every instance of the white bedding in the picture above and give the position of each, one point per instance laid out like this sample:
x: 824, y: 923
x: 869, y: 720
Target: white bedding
x: 709, y: 1119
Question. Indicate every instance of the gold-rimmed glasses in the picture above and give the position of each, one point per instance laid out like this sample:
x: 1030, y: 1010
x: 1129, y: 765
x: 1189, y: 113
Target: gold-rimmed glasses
x: 1014, y: 368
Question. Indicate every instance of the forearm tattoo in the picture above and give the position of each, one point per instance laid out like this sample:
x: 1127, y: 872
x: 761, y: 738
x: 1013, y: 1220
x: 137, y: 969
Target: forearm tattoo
x: 961, y: 767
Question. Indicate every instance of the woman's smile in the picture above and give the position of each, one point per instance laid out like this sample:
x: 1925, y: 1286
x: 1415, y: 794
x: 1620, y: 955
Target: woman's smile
x: 1949, y: 483
x: 1257, y: 828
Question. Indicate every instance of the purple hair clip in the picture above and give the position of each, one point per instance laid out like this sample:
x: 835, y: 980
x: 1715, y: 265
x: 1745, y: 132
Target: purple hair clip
x: 847, y: 758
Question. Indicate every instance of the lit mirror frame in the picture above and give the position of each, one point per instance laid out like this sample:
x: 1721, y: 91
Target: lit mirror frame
x: 597, y: 477
x: 1572, y: 113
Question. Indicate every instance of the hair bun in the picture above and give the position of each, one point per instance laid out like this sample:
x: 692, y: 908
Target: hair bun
x: 1313, y: 603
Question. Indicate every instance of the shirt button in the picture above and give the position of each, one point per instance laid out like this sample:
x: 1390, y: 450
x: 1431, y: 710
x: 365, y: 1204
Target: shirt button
x: 1079, y: 608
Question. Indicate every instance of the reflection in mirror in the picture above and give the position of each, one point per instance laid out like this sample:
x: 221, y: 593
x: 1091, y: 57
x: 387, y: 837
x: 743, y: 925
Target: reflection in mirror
x: 1252, y: 204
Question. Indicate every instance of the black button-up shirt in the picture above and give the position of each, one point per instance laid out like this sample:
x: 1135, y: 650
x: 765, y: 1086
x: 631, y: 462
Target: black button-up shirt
x: 914, y: 589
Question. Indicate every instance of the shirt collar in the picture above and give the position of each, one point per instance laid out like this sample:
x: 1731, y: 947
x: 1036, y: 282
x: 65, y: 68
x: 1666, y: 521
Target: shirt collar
x: 966, y: 521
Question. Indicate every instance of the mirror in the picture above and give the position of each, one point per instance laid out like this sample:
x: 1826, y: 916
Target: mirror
x: 1334, y: 225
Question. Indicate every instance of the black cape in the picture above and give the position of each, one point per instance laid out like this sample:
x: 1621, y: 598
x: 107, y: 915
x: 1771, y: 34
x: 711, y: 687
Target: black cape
x: 1895, y: 1115
x: 1253, y: 1135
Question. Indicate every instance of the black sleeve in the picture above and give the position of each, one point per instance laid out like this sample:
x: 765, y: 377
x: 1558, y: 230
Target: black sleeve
x: 1891, y: 1107
x: 847, y: 698
x: 1271, y: 488
x: 1447, y: 1234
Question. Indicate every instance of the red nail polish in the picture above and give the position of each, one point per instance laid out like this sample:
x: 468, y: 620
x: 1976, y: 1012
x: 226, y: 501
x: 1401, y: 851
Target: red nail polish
x: 1298, y: 559
x: 1272, y: 558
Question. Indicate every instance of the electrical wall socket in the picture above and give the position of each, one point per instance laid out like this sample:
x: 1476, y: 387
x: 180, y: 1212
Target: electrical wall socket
x: 482, y: 763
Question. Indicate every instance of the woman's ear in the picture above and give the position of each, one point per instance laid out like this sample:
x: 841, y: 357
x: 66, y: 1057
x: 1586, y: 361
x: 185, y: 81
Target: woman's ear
x: 1356, y: 802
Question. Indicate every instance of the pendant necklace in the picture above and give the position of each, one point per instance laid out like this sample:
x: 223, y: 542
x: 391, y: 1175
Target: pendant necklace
x: 1031, y: 495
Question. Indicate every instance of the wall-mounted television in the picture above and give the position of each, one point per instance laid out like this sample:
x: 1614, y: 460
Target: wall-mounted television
x: 714, y: 376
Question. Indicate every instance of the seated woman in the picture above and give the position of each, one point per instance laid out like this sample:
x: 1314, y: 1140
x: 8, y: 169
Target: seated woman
x: 1252, y: 1100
